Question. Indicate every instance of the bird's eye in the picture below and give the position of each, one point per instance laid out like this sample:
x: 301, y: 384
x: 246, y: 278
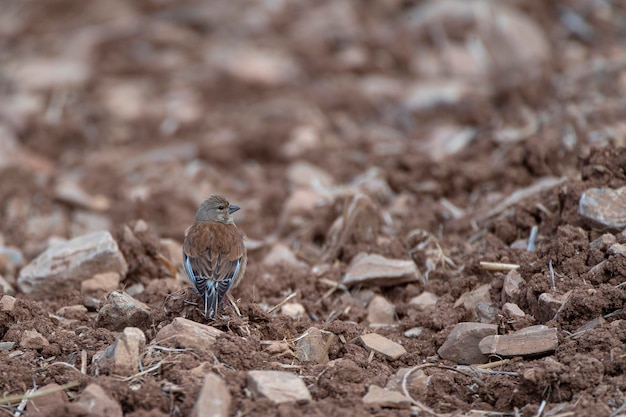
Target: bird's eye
x: 220, y: 207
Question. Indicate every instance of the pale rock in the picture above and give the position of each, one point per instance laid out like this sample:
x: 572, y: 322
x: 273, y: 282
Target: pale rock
x: 172, y: 250
x: 386, y: 398
x: 294, y: 310
x: 121, y: 311
x: 380, y: 311
x: 549, y: 304
x: 32, y: 339
x: 513, y: 310
x: 214, y: 399
x: 424, y: 300
x: 461, y: 346
x: 5, y: 287
x: 381, y: 345
x: 486, y: 312
x: 138, y: 288
x: 373, y: 183
x: 100, y: 284
x: 64, y: 266
x: 40, y: 227
x: 362, y: 296
x: 7, y: 303
x: 302, y: 139
x: 49, y: 404
x: 312, y: 347
x: 414, y: 332
x: 471, y: 299
x: 536, y: 340
x: 511, y: 286
x: 94, y: 401
x: 122, y: 357
x: 374, y: 269
x: 604, y: 207
x: 603, y: 242
x: 278, y: 386
x: 417, y: 381
x: 253, y: 65
x: 301, y: 204
x: 72, y: 312
x: 187, y: 334
x: 7, y: 345
x: 617, y: 249
x: 36, y: 72
x: 69, y: 190
x: 445, y: 140
x: 280, y: 254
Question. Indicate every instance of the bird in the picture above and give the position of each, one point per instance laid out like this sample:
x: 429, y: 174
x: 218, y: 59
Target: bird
x: 214, y: 255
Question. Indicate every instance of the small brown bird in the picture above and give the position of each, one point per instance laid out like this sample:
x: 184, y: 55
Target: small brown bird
x: 213, y: 252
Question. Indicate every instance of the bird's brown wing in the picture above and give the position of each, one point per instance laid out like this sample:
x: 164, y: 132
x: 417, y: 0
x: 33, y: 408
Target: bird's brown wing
x: 213, y: 256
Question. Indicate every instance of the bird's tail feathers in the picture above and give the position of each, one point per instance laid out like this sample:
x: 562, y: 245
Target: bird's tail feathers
x: 211, y: 301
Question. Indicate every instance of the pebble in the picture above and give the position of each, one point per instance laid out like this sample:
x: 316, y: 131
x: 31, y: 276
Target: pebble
x: 471, y: 299
x: 549, y: 304
x: 414, y: 332
x: 381, y: 312
x: 280, y: 254
x: 7, y: 303
x: 486, y: 312
x: 386, y: 398
x: 603, y: 242
x: 511, y: 286
x: 312, y: 347
x: 214, y: 399
x: 424, y: 300
x: 121, y: 311
x: 512, y: 310
x: 122, y: 357
x: 380, y: 344
x: 604, y: 206
x: 32, y: 339
x: 278, y: 386
x: 461, y: 346
x: 100, y: 284
x: 531, y: 341
x: 7, y: 345
x: 294, y: 310
x: 617, y: 249
x: 95, y: 402
x: 72, y: 312
x: 62, y: 267
x: 69, y: 190
x: 374, y: 269
x: 187, y: 334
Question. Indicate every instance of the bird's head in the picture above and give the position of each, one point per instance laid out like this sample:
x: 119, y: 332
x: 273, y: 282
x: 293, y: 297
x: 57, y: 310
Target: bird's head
x: 216, y: 209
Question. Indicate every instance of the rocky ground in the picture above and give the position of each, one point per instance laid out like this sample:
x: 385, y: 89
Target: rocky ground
x: 432, y: 193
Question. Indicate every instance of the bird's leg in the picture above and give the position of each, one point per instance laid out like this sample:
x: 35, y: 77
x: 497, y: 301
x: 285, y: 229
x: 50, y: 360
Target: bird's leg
x: 233, y: 303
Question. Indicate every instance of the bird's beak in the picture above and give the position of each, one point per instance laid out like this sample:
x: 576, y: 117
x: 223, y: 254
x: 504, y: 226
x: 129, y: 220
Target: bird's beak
x: 233, y: 208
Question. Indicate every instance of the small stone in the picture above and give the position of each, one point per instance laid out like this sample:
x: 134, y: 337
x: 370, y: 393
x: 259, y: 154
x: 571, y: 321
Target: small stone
x: 417, y: 382
x: 513, y: 310
x: 294, y: 310
x: 214, y: 398
x: 414, y: 332
x: 72, y: 312
x: 7, y: 345
x: 32, y: 339
x: 278, y: 386
x: 69, y: 190
x: 7, y: 303
x: 525, y: 342
x: 312, y: 347
x: 100, y: 284
x: 386, y: 398
x: 617, y: 249
x: 380, y: 344
x: 64, y: 266
x: 461, y: 346
x: 603, y: 242
x: 424, y: 300
x: 187, y: 334
x: 486, y: 312
x: 281, y: 255
x: 471, y: 299
x: 380, y: 311
x: 95, y: 402
x: 511, y: 286
x: 604, y: 207
x: 121, y: 311
x: 303, y: 175
x: 549, y: 304
x: 122, y: 357
x: 83, y: 222
x: 49, y: 404
x: 374, y: 269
